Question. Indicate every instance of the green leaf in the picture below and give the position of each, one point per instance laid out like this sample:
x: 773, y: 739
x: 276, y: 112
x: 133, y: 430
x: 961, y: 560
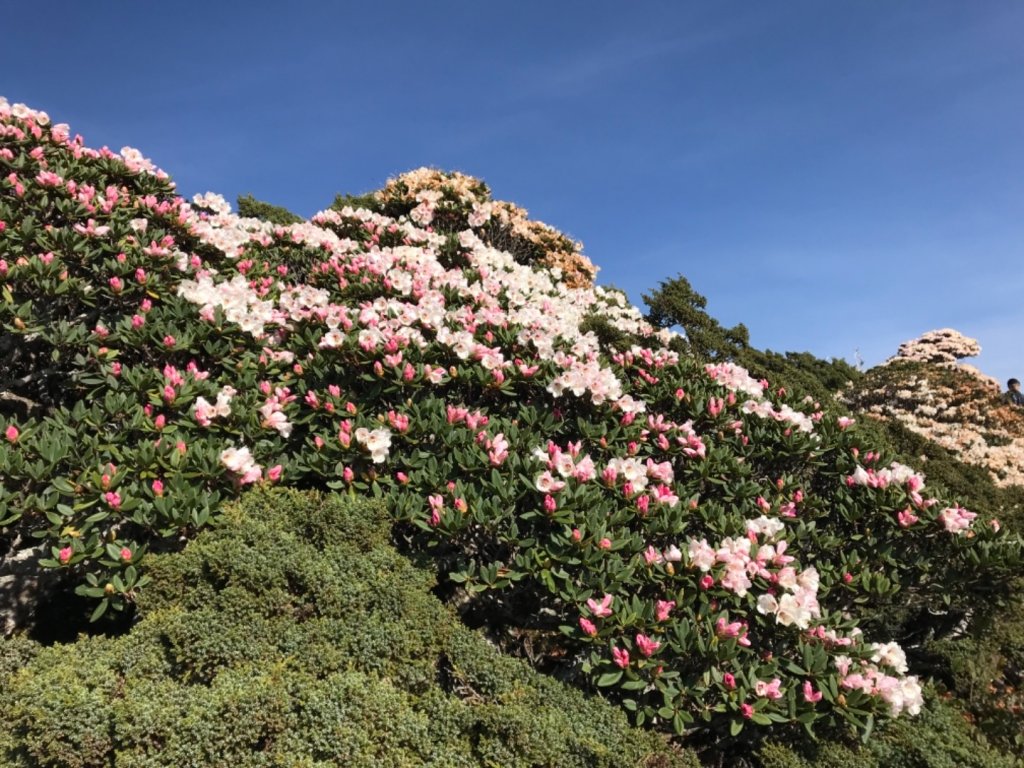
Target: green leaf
x: 609, y: 678
x: 100, y: 610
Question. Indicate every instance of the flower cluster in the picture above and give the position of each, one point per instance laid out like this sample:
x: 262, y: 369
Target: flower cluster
x: 687, y: 524
x: 952, y: 404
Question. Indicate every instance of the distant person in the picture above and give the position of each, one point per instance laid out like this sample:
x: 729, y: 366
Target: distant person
x: 1013, y: 393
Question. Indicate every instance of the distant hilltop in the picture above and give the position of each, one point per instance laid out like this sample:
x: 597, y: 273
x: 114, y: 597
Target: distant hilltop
x: 927, y: 388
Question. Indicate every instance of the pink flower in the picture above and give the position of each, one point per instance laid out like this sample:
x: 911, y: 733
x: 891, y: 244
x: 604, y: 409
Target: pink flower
x: 651, y: 555
x: 663, y: 608
x: 12, y: 434
x: 956, y: 519
x: 768, y: 690
x: 906, y: 518
x: 647, y: 645
x: 724, y: 628
x: 65, y: 555
x: 620, y: 657
x: 844, y: 422
x: 274, y: 473
x: 601, y: 609
x: 169, y: 341
x: 588, y: 627
x: 810, y: 695
x: 126, y: 554
x: 747, y: 711
x: 113, y: 498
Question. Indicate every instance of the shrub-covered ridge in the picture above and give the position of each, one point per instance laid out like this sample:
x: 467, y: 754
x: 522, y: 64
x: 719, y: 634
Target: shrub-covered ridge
x: 684, y: 538
x: 926, y: 390
x: 247, y: 655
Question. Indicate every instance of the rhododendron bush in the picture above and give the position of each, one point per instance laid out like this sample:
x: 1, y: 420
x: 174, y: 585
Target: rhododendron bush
x: 704, y: 545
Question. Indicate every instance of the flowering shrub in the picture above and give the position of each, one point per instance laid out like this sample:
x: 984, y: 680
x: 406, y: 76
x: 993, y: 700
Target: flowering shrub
x: 453, y: 202
x: 246, y: 655
x: 704, y: 545
x: 943, y: 347
x: 926, y: 390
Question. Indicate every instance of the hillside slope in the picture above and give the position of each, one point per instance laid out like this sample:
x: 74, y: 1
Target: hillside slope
x: 926, y: 390
x: 722, y: 560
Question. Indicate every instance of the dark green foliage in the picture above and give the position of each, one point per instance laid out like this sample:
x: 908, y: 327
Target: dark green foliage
x: 800, y: 372
x: 367, y: 200
x: 939, y: 738
x: 675, y: 302
x: 250, y: 207
x: 295, y: 635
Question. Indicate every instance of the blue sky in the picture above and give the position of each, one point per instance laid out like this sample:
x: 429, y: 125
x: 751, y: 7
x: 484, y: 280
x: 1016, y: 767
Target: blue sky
x: 838, y: 176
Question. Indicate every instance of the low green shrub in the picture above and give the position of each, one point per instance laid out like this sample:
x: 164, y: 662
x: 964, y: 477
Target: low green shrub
x: 294, y: 635
x: 940, y: 738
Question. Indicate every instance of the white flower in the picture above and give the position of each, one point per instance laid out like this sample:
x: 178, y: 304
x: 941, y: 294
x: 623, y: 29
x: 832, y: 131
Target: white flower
x: 376, y: 441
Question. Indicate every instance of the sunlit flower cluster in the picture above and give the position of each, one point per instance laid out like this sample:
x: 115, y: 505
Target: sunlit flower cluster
x: 668, y: 511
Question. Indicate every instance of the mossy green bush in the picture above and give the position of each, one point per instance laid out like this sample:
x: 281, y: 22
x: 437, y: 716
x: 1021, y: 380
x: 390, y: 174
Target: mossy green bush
x: 295, y: 635
x: 250, y: 207
x: 940, y: 738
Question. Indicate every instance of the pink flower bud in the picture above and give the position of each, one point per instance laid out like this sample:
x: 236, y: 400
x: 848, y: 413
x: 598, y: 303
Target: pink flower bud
x: 588, y: 627
x: 126, y: 554
x: 158, y: 487
x: 65, y: 555
x: 620, y: 657
x: 12, y: 434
